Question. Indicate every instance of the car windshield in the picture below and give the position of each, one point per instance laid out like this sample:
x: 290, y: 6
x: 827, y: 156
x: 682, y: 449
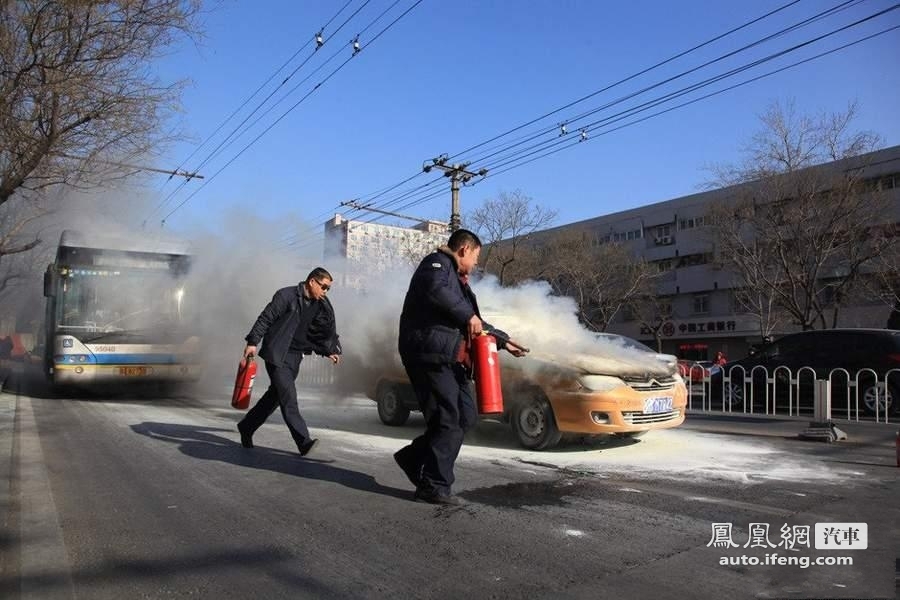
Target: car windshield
x: 625, y: 341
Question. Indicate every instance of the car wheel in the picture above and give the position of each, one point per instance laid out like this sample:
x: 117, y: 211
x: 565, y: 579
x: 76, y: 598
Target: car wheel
x: 734, y: 396
x: 534, y: 424
x: 885, y: 397
x: 391, y: 409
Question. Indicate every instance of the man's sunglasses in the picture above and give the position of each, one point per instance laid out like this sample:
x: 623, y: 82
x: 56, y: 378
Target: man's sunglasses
x: 325, y: 287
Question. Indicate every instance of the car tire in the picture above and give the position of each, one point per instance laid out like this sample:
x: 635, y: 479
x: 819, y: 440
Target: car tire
x: 887, y: 401
x: 391, y: 409
x: 534, y: 424
x: 734, y: 397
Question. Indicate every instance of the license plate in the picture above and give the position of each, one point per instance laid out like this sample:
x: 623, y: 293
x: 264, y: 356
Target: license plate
x: 657, y: 405
x: 132, y: 371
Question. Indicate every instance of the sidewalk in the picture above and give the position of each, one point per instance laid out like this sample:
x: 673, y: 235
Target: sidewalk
x: 858, y: 432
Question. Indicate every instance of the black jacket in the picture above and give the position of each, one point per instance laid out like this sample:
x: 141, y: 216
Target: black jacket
x: 436, y: 312
x: 278, y: 321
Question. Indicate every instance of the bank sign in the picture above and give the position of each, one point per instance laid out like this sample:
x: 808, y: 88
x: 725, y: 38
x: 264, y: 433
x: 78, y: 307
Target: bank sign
x: 676, y: 328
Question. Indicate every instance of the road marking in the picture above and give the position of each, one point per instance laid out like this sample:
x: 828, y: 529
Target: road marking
x: 44, y: 571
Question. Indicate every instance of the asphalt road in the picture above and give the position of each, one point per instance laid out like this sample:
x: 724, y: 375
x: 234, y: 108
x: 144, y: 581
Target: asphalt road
x: 147, y: 498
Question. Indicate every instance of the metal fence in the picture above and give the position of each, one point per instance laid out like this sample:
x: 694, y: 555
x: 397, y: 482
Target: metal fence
x: 316, y: 371
x: 851, y: 395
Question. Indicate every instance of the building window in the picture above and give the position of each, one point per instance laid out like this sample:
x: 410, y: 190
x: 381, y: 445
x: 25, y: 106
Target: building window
x: 691, y: 222
x: 662, y: 235
x: 701, y: 304
x: 692, y: 260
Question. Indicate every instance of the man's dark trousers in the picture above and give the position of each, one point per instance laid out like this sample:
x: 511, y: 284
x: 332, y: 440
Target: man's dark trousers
x: 282, y: 392
x: 446, y: 401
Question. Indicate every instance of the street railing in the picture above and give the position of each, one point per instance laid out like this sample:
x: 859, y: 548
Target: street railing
x: 863, y: 394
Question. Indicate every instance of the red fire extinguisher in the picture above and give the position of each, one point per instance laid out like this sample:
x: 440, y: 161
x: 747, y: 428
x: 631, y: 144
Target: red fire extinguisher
x: 243, y: 384
x: 487, y: 374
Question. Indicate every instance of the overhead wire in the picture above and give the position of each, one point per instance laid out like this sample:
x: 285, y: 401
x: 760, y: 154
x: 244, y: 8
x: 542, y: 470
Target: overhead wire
x: 289, y: 110
x: 694, y: 100
x: 782, y: 32
x: 610, y: 86
x: 525, y: 159
x: 290, y: 92
x: 260, y: 104
x: 538, y: 154
x: 719, y: 77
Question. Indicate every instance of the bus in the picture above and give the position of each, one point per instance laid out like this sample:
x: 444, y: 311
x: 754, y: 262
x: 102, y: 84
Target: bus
x: 116, y: 312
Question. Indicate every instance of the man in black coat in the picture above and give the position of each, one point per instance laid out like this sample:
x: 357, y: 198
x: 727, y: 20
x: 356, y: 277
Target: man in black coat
x: 440, y: 315
x: 299, y: 320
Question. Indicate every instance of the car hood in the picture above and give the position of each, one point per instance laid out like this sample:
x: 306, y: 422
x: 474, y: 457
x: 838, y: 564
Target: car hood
x: 629, y: 364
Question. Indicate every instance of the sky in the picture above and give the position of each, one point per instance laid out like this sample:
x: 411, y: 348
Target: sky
x: 445, y: 77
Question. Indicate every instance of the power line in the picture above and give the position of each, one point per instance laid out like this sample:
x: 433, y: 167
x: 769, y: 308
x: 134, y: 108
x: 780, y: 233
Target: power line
x: 700, y: 98
x: 260, y: 104
x: 549, y: 147
x: 624, y: 80
x: 289, y: 110
x: 235, y: 135
x: 625, y: 114
x: 715, y: 79
x: 718, y: 59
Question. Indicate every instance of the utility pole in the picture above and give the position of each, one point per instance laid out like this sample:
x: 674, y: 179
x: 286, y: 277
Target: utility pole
x: 457, y: 174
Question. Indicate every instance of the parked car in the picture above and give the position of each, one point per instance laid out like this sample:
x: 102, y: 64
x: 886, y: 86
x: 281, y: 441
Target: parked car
x: 871, y: 356
x: 697, y: 370
x: 625, y: 389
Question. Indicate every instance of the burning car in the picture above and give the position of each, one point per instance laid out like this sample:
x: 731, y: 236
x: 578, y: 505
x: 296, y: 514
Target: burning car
x: 611, y: 385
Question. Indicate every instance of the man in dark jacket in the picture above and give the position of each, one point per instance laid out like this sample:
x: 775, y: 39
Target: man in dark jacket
x: 299, y: 320
x: 440, y: 315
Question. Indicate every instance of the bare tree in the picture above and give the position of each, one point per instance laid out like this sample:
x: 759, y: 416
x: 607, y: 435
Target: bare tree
x: 17, y: 235
x: 651, y: 310
x: 603, y: 279
x: 76, y: 88
x: 797, y: 239
x: 504, y: 225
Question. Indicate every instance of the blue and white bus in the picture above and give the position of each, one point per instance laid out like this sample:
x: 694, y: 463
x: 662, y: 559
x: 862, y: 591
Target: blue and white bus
x: 116, y: 312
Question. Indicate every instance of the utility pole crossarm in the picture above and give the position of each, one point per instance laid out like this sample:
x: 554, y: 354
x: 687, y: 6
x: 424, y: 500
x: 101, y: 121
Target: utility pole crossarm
x: 457, y: 173
x: 171, y: 173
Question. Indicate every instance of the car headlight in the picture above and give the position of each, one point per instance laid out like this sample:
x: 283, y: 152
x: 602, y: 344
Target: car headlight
x: 600, y: 383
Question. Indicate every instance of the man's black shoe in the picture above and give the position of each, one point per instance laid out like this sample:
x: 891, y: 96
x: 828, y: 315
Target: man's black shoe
x: 435, y: 498
x: 307, y: 447
x: 246, y: 438
x: 402, y: 458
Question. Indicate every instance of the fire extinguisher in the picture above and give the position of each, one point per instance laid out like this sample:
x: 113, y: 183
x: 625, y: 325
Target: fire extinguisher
x: 243, y: 384
x: 487, y: 374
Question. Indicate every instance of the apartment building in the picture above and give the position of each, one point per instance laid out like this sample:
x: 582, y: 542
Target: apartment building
x: 674, y: 235
x: 369, y: 249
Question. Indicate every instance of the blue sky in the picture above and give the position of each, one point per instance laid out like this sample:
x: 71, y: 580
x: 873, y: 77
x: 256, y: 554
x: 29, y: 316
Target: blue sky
x: 448, y: 76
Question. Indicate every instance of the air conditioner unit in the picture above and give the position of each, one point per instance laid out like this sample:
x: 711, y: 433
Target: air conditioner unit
x: 663, y: 240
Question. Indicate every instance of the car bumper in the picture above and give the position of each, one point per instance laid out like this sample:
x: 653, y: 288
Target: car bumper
x: 617, y: 411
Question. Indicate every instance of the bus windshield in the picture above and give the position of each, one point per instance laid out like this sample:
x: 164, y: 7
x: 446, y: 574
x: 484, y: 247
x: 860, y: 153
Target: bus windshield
x: 119, y: 301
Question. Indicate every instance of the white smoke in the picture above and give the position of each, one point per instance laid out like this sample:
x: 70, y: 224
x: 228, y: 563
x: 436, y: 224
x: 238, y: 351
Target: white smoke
x: 533, y: 317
